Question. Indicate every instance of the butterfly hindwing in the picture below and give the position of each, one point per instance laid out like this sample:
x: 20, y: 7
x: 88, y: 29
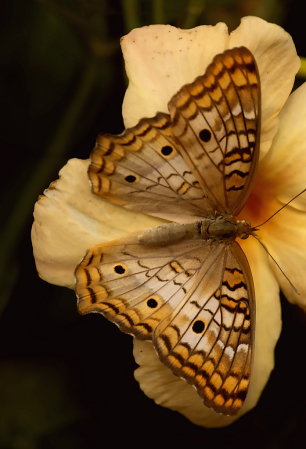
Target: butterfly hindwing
x: 208, y: 339
x: 137, y: 286
x: 192, y: 298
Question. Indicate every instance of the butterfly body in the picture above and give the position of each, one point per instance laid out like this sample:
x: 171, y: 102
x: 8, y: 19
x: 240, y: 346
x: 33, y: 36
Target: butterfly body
x: 218, y: 228
x: 186, y: 285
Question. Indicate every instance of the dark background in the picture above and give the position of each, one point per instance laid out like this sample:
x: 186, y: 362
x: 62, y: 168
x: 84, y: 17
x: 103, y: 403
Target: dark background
x: 66, y: 381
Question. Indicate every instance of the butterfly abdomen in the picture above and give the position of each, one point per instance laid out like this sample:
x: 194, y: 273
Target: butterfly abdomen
x: 170, y: 232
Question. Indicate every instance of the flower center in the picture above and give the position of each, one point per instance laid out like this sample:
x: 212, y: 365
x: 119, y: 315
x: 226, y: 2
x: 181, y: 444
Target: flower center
x: 261, y: 204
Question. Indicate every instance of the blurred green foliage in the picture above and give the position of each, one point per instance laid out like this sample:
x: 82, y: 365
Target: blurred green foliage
x: 24, y: 417
x: 62, y: 79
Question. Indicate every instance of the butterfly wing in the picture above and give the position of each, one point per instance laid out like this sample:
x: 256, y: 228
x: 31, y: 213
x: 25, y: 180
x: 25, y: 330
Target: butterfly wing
x: 208, y: 339
x: 142, y: 169
x: 136, y: 286
x: 202, y: 160
x: 194, y: 299
x: 216, y: 119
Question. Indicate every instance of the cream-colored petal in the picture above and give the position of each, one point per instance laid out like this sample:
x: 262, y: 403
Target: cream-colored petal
x: 160, y: 59
x: 167, y: 390
x: 69, y: 219
x: 284, y: 167
x: 278, y: 64
x: 285, y: 238
x: 268, y: 316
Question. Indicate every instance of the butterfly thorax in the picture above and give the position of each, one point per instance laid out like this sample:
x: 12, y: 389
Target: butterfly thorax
x: 215, y: 228
x: 225, y: 228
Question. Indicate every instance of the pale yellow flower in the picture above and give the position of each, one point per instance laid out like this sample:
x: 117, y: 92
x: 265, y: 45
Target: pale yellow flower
x: 69, y: 219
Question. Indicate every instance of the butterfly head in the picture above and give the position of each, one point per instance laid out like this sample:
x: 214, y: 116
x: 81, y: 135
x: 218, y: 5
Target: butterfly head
x: 244, y: 229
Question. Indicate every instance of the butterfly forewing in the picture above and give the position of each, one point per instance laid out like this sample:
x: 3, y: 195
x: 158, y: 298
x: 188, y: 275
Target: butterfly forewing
x: 143, y: 170
x: 188, y: 292
x: 201, y: 160
x: 216, y: 119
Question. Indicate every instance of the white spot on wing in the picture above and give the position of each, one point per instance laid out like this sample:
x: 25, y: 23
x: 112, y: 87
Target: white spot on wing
x: 229, y: 352
x: 213, y: 331
x: 243, y: 348
x: 249, y: 114
x: 220, y: 344
x: 236, y: 109
x: 227, y: 117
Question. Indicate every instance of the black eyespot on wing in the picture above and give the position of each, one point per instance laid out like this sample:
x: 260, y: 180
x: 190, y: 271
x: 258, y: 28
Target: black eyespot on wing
x: 205, y: 135
x: 166, y: 150
x: 152, y: 303
x: 198, y: 327
x: 130, y: 178
x: 119, y: 269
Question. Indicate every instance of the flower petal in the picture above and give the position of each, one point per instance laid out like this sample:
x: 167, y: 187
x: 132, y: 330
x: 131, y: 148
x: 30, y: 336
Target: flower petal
x: 70, y: 219
x: 160, y: 59
x: 278, y: 64
x: 168, y: 390
x: 287, y: 244
x: 268, y: 317
x: 284, y: 167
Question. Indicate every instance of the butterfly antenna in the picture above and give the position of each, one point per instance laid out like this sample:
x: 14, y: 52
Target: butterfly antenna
x: 254, y: 235
x: 280, y: 210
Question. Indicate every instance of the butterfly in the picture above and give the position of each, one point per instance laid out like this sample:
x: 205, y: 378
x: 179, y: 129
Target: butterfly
x: 185, y: 285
